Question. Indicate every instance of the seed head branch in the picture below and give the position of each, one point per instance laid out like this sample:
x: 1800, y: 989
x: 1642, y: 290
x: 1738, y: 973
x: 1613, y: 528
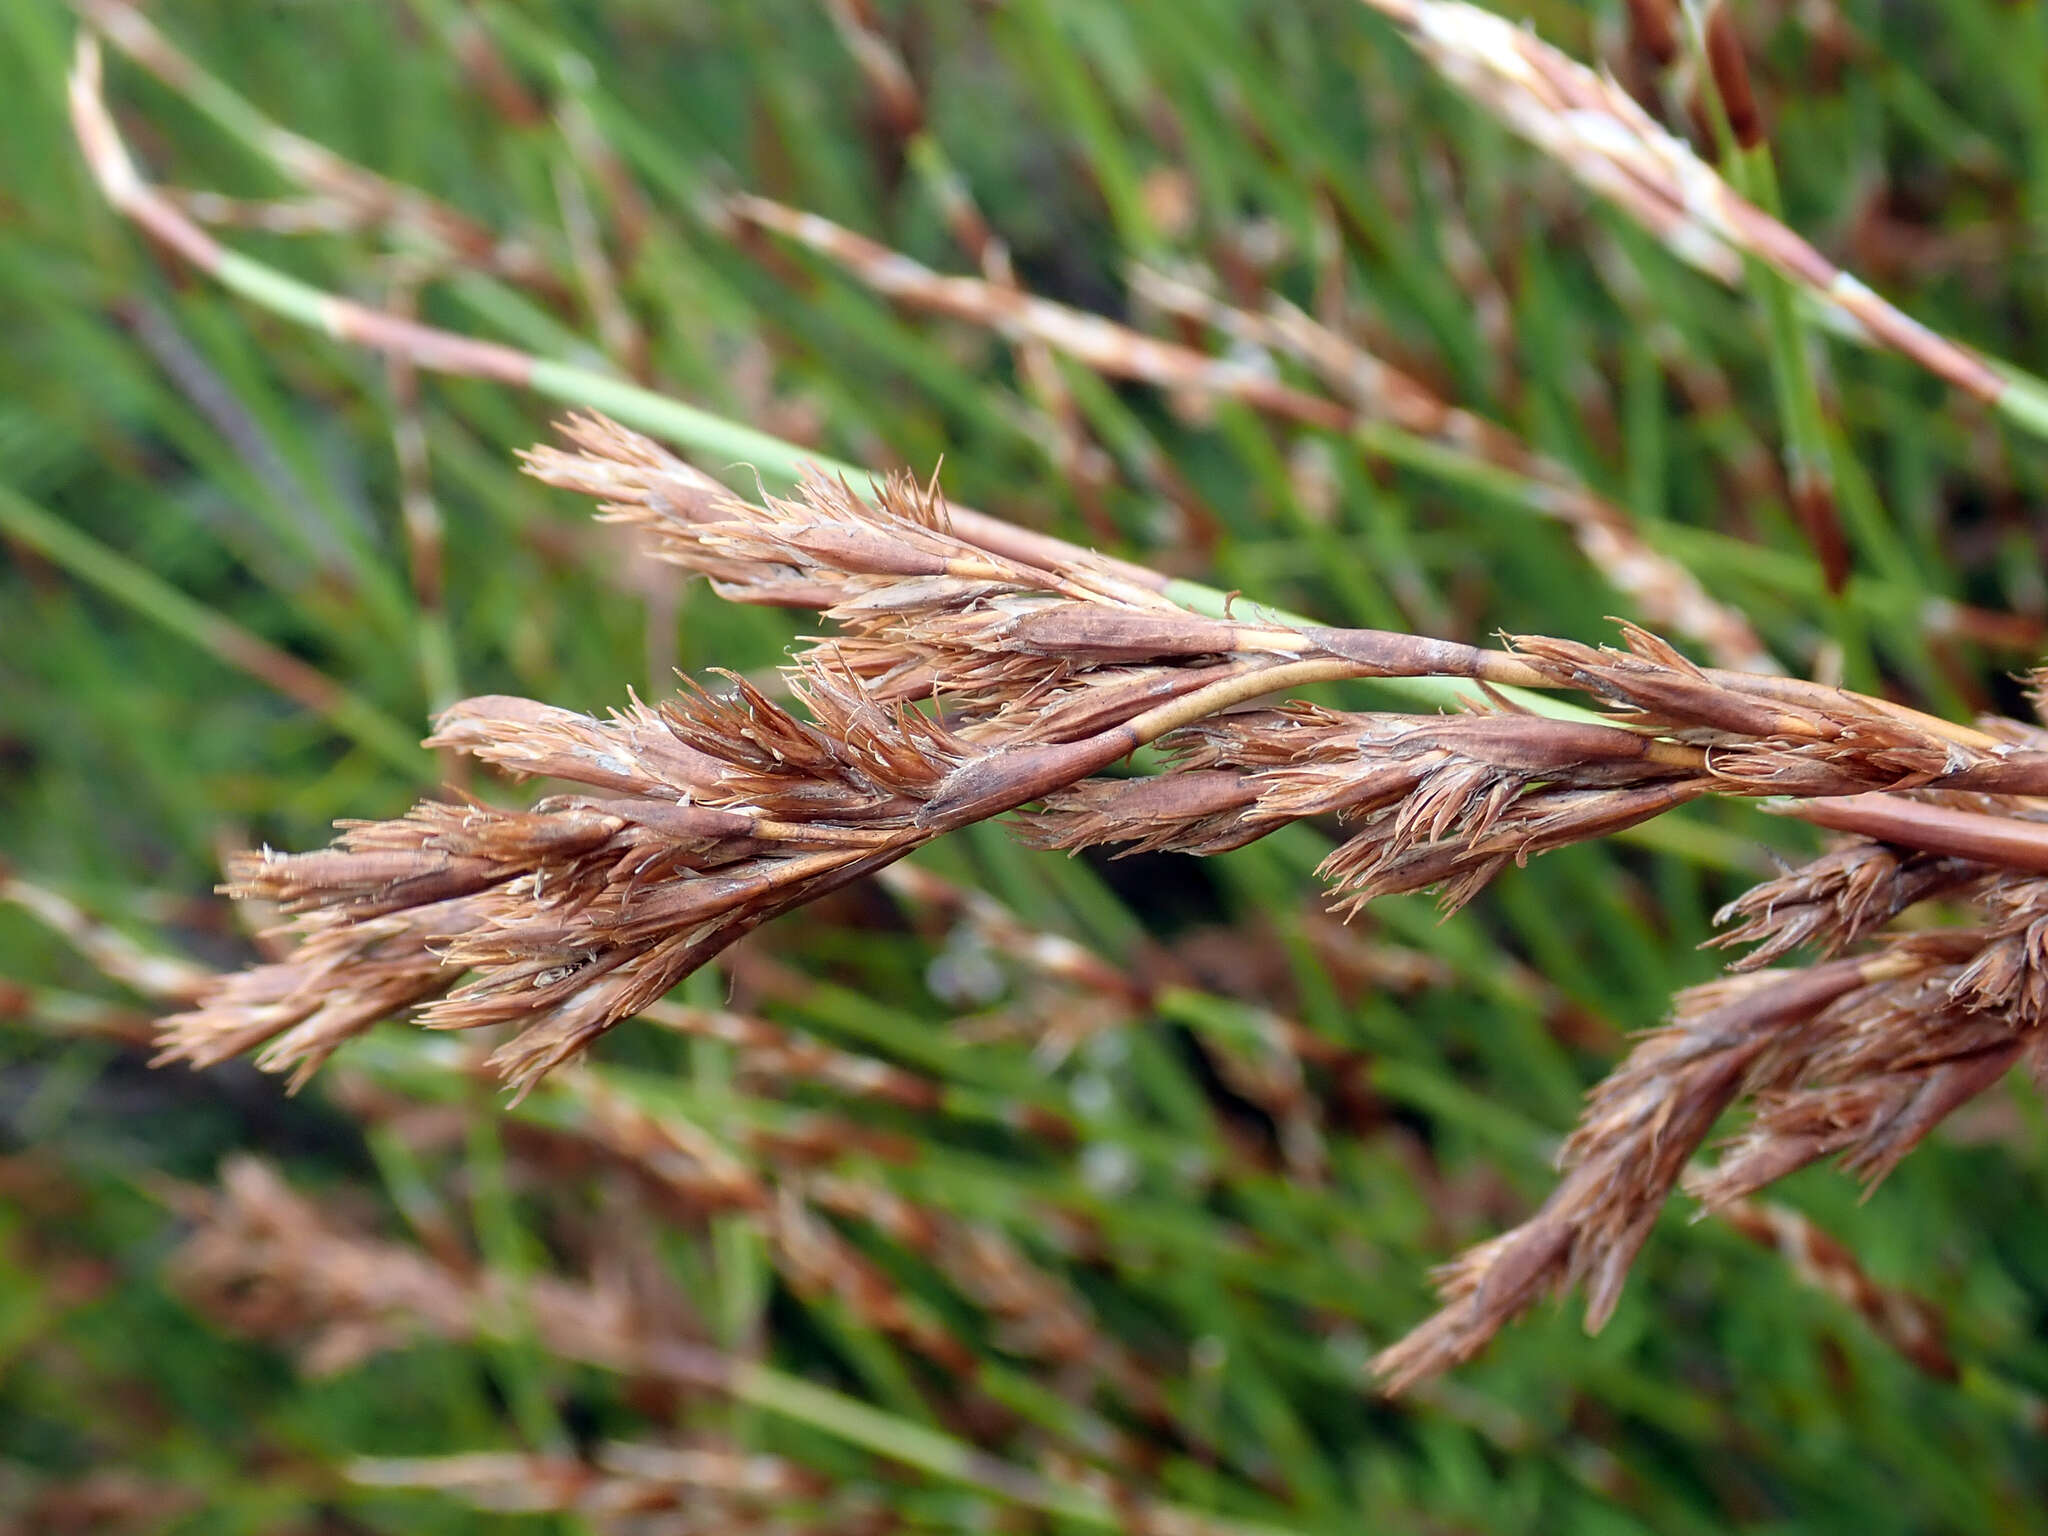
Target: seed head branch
x: 1369, y: 389
x: 964, y: 682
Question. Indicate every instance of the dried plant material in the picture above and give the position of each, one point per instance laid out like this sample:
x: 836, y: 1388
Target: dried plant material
x: 979, y: 670
x: 344, y: 977
x: 264, y: 1261
x: 722, y: 811
x: 1836, y: 900
x: 1592, y: 128
x: 112, y: 952
x: 2014, y: 840
x: 968, y: 681
x: 809, y: 1253
x: 339, y: 194
x: 1886, y: 1065
x: 1102, y: 344
x: 1121, y: 1267
x: 1910, y: 1324
x: 1856, y: 1059
x: 126, y: 190
x: 1666, y: 594
x: 621, y: 1488
x: 788, y: 1185
x: 1641, y: 1128
x: 1450, y: 802
x: 585, y: 910
x: 828, y: 547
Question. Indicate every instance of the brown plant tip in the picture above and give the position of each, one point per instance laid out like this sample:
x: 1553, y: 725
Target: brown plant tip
x: 1769, y: 735
x: 1730, y: 72
x: 1908, y: 1323
x: 1837, y: 900
x: 1857, y: 1059
x: 1653, y: 29
x: 972, y: 676
x: 1641, y: 1127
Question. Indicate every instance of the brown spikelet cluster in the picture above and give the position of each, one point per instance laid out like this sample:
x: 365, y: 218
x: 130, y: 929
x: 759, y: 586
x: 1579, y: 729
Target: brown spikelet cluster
x: 972, y: 674
x: 1366, y: 390
x: 955, y: 1286
x: 1449, y: 802
x: 1856, y: 1059
x: 710, y: 814
x: 265, y: 1260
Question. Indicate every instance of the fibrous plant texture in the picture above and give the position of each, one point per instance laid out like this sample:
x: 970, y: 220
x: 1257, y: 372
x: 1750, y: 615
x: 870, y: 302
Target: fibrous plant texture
x: 962, y: 684
x: 932, y: 998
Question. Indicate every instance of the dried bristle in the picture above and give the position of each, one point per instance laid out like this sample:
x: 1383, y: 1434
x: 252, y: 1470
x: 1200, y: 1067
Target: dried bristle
x: 965, y: 682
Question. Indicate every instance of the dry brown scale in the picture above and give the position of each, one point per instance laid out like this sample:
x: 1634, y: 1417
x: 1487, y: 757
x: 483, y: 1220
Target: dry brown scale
x: 264, y: 1261
x: 979, y: 669
x: 1366, y: 387
x: 964, y: 682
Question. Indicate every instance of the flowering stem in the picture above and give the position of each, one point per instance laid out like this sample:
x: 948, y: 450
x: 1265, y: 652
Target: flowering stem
x: 702, y: 432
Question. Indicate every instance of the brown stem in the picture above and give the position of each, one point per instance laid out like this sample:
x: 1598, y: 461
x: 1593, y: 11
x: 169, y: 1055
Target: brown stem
x: 2002, y: 840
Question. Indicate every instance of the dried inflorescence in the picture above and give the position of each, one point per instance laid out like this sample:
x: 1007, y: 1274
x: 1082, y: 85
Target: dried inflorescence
x: 976, y: 669
x: 1449, y: 802
x: 1442, y: 801
x: 715, y: 812
x: 264, y: 1260
x: 976, y: 672
x: 1831, y: 902
x: 586, y: 908
x: 1366, y: 388
x: 1856, y: 1059
x: 1641, y: 1128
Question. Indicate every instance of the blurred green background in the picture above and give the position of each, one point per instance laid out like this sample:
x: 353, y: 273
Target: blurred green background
x: 182, y: 474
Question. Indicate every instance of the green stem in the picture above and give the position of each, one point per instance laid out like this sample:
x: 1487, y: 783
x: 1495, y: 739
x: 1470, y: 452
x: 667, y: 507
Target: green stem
x: 156, y: 599
x: 734, y: 445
